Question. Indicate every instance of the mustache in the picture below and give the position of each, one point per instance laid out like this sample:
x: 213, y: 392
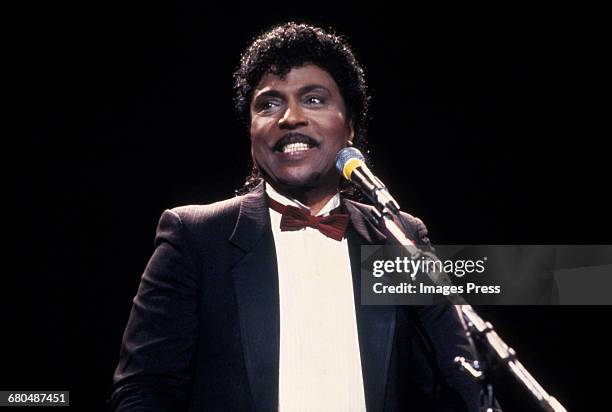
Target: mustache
x: 295, y: 137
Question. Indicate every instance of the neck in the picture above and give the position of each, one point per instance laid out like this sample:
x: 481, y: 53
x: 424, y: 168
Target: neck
x: 315, y: 197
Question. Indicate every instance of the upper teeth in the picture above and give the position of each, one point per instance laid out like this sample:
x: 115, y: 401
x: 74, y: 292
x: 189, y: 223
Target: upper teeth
x: 294, y: 147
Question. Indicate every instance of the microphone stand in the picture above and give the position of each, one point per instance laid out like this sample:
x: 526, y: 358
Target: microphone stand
x: 480, y: 330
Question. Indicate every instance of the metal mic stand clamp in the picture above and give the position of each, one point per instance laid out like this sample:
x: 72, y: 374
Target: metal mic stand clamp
x: 479, y: 371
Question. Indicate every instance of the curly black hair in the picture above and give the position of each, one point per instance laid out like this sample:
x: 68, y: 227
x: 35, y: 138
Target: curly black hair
x: 290, y: 45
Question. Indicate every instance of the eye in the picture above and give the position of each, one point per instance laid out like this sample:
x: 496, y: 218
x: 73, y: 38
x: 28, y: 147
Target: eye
x: 267, y: 105
x: 314, y: 100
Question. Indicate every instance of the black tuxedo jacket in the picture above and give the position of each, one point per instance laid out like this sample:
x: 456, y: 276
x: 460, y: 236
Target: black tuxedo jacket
x: 203, y: 334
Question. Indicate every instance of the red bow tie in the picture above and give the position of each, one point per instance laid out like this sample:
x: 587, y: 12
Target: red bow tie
x: 293, y: 218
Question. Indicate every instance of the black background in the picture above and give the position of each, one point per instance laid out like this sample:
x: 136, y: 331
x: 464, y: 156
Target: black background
x: 486, y: 123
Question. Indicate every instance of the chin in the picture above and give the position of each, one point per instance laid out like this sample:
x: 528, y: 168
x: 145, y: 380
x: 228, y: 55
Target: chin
x: 298, y: 181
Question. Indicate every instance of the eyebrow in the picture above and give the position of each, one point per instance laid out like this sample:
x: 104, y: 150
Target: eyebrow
x: 303, y: 90
x: 312, y: 87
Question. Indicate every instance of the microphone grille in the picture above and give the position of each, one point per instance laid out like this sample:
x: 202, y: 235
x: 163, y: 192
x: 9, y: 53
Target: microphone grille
x: 345, y: 155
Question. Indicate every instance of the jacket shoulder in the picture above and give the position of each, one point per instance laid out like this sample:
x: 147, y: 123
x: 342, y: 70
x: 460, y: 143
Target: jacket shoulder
x: 200, y: 224
x: 195, y: 215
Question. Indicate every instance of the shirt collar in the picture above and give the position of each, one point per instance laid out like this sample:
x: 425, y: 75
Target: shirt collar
x: 333, y: 203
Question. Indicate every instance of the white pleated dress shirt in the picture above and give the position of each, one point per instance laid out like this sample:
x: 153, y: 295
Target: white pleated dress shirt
x: 320, y: 364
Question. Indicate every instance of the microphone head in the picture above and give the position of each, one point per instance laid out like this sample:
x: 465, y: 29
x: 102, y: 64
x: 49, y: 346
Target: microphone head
x: 347, y: 160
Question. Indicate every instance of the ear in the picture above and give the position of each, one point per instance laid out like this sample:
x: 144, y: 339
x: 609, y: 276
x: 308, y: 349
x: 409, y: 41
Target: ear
x: 351, y: 134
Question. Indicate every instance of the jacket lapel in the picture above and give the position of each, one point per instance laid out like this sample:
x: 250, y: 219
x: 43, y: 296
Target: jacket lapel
x: 360, y: 220
x: 375, y: 324
x: 255, y: 278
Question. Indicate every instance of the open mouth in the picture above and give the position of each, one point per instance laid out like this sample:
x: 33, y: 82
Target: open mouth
x: 295, y: 143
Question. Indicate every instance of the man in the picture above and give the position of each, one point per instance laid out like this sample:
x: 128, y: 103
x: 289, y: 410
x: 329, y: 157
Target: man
x: 241, y: 308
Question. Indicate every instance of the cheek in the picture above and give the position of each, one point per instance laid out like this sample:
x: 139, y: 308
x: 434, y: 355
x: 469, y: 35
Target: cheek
x: 260, y: 127
x: 259, y: 144
x: 253, y: 130
x: 256, y: 135
x: 338, y: 128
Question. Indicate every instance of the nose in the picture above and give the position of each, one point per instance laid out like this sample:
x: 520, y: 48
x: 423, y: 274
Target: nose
x: 293, y: 117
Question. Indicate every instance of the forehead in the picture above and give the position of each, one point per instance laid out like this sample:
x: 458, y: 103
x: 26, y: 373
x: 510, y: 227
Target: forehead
x: 297, y: 78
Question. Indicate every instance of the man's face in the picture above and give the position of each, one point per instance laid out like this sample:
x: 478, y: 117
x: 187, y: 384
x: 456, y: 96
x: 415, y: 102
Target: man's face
x: 298, y: 125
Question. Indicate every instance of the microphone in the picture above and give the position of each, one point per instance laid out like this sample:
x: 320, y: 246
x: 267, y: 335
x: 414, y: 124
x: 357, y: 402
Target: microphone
x: 350, y: 163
